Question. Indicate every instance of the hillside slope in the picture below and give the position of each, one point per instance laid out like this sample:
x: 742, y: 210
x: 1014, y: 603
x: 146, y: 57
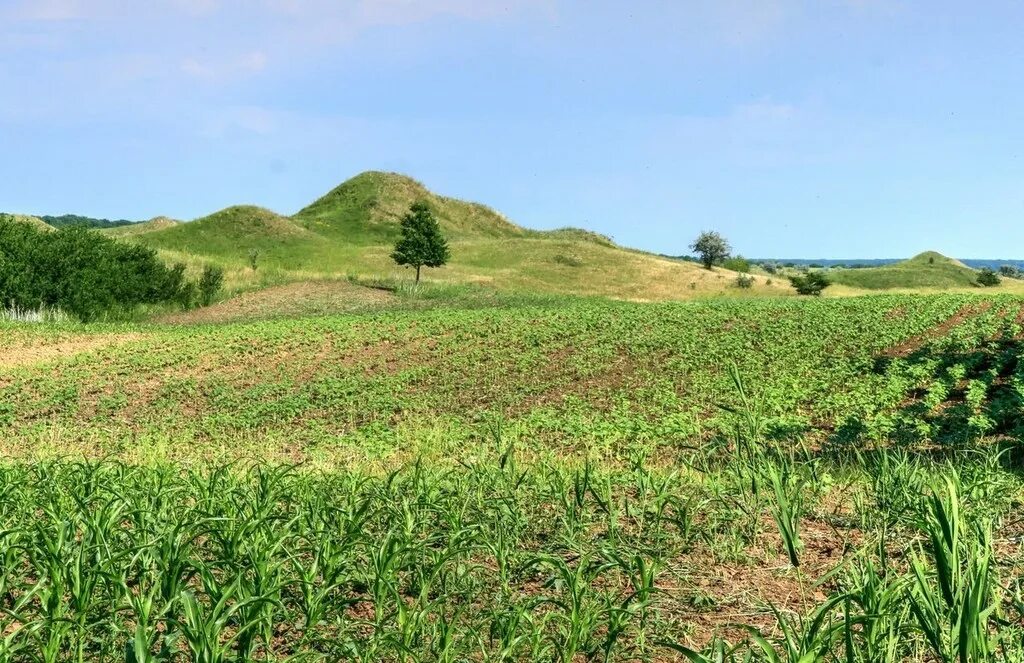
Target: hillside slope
x: 928, y: 270
x: 350, y: 231
x: 154, y: 224
x: 34, y: 221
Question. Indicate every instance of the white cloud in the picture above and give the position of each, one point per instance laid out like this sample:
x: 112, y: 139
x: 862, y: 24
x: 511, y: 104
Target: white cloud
x: 227, y: 68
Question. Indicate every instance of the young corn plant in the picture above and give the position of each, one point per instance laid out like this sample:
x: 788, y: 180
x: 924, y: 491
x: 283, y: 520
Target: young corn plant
x: 955, y: 596
x: 788, y: 506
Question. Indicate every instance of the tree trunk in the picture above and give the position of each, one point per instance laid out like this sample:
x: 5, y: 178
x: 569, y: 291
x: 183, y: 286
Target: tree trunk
x: 418, y: 274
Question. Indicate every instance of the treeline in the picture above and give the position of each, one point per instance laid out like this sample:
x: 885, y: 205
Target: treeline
x: 90, y: 276
x: 67, y: 220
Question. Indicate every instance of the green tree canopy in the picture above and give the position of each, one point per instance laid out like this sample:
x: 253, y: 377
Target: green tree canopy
x: 811, y: 283
x: 711, y: 247
x: 421, y: 243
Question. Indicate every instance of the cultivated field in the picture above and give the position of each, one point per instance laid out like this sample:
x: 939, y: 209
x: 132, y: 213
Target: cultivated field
x: 503, y: 478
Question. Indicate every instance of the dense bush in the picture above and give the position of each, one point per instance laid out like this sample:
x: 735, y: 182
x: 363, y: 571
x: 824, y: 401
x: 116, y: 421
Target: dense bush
x: 80, y: 272
x: 988, y: 278
x: 811, y: 283
x: 744, y: 281
x: 737, y: 264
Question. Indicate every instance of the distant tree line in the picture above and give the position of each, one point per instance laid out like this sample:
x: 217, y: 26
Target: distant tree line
x: 66, y: 220
x: 89, y: 275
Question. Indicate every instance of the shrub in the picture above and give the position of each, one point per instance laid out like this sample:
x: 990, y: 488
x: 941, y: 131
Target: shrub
x: 988, y: 278
x: 1009, y: 271
x: 737, y: 264
x: 811, y: 283
x: 744, y: 281
x: 210, y: 283
x: 80, y: 272
x: 568, y: 260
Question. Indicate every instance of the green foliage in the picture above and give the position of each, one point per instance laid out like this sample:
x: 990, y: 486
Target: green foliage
x: 811, y: 283
x: 711, y: 247
x: 254, y: 257
x: 526, y: 481
x: 80, y: 271
x: 987, y: 278
x: 737, y: 264
x: 66, y: 220
x: 422, y: 244
x: 210, y: 283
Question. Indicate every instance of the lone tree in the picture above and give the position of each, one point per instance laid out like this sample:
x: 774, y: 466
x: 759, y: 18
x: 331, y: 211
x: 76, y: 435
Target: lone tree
x: 711, y: 247
x: 421, y: 243
x: 811, y: 283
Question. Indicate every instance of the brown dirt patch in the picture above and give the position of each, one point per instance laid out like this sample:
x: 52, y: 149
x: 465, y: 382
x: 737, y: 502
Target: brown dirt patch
x: 37, y: 353
x: 290, y: 300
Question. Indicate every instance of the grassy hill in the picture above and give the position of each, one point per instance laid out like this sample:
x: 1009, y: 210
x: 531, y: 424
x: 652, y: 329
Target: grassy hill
x: 31, y: 220
x: 369, y: 207
x: 929, y: 270
x: 350, y: 231
x: 154, y: 224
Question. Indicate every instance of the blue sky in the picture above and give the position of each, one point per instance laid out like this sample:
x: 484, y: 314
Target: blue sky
x: 798, y: 129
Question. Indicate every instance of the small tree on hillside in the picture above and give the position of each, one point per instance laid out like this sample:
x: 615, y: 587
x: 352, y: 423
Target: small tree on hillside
x: 811, y: 283
x: 421, y: 243
x: 711, y: 247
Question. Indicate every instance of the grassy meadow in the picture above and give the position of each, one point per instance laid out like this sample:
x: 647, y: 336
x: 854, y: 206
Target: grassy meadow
x: 455, y: 474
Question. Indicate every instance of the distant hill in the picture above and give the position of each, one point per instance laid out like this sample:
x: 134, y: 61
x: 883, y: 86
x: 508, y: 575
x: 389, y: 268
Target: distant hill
x: 858, y: 263
x: 928, y: 270
x: 154, y: 224
x: 350, y: 231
